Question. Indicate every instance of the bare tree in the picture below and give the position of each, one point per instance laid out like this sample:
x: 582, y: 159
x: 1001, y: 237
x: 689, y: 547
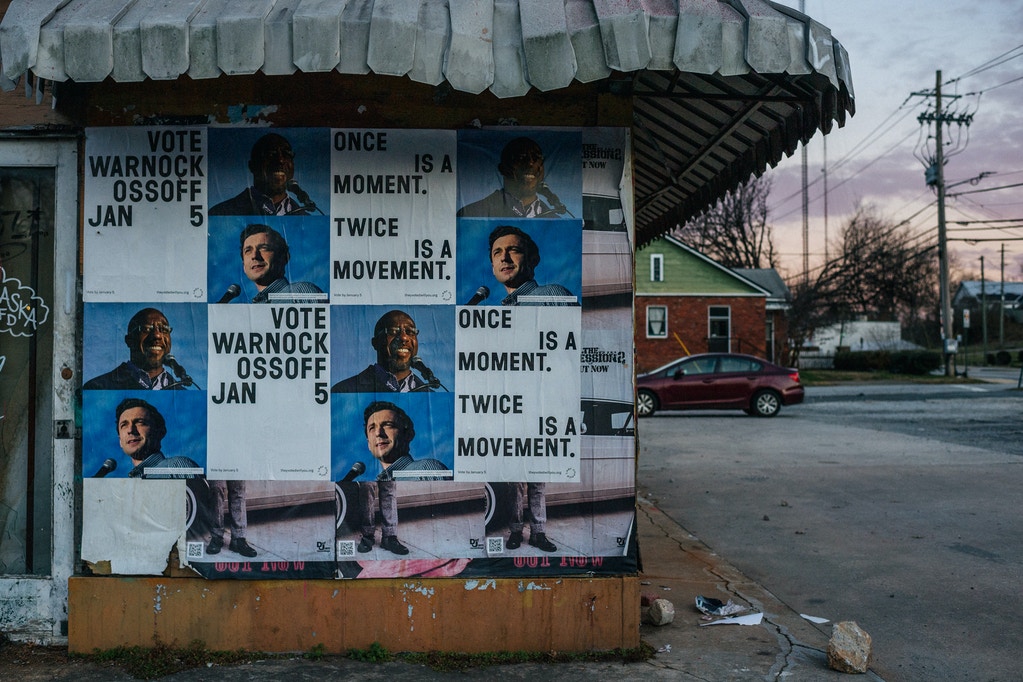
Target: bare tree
x: 735, y: 232
x: 881, y: 272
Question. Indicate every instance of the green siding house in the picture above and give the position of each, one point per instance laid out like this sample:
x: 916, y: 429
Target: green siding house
x: 687, y: 303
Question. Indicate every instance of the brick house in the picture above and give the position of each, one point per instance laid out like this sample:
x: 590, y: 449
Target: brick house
x: 779, y: 302
x: 687, y: 303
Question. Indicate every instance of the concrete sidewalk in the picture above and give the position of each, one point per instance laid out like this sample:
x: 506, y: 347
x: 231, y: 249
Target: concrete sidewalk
x: 676, y: 566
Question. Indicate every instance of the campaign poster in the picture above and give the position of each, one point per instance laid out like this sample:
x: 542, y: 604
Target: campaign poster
x: 144, y: 434
x: 493, y: 163
x: 361, y: 353
x: 167, y: 340
x: 263, y: 529
x: 361, y: 343
x: 268, y: 259
x: 260, y: 172
x: 392, y: 216
x: 268, y: 393
x: 506, y: 429
x: 144, y: 214
x: 607, y: 227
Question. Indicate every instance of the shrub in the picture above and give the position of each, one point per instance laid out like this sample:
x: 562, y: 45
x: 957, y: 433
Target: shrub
x: 899, y: 362
x: 861, y: 361
x: 914, y: 362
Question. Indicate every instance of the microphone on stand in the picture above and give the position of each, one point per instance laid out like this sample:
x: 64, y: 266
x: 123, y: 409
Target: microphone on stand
x: 556, y: 204
x: 303, y: 198
x: 108, y: 466
x: 431, y: 379
x: 357, y: 470
x: 480, y: 294
x: 178, y: 370
x: 232, y: 293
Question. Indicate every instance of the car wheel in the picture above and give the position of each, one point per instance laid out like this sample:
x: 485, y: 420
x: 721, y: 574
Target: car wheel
x: 646, y: 403
x: 765, y: 403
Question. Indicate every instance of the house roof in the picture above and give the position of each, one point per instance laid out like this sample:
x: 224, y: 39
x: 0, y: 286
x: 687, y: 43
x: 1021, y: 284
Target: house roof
x: 721, y: 89
x: 743, y: 286
x: 769, y: 279
x: 992, y: 290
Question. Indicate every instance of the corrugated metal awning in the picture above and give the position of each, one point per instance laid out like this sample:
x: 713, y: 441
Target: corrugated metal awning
x: 721, y: 89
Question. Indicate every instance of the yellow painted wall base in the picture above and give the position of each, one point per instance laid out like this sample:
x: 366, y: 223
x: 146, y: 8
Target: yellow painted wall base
x: 450, y: 614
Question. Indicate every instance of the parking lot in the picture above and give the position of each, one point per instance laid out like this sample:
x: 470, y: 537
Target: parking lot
x: 893, y: 506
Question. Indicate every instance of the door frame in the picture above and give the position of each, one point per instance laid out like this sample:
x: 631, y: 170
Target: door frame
x: 34, y: 607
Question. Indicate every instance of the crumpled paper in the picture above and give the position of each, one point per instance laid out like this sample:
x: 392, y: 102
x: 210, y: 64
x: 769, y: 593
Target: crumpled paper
x: 716, y: 607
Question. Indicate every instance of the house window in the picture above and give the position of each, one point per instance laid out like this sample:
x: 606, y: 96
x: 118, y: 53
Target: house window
x: 719, y: 329
x: 657, y: 267
x: 656, y: 322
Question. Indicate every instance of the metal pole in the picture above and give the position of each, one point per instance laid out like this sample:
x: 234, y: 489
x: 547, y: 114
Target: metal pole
x: 946, y: 304
x: 806, y: 199
x: 1001, y: 305
x: 825, y: 171
x: 983, y: 308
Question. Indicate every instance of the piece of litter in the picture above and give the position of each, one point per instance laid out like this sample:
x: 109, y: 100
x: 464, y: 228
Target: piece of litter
x: 716, y: 607
x: 748, y: 619
x: 664, y: 649
x: 814, y: 619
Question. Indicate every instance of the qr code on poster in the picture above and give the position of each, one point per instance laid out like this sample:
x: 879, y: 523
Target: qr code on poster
x: 345, y: 548
x: 495, y: 546
x: 194, y: 550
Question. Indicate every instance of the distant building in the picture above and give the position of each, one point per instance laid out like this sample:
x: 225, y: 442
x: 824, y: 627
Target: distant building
x: 969, y: 297
x: 779, y: 302
x: 687, y: 303
x: 858, y: 335
x: 969, y: 294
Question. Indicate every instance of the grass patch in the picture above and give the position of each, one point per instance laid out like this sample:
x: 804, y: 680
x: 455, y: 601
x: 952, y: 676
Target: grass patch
x: 375, y: 653
x: 446, y: 661
x: 159, y: 660
x: 833, y: 377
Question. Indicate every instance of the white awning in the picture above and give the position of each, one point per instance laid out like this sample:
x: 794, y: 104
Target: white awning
x: 721, y: 88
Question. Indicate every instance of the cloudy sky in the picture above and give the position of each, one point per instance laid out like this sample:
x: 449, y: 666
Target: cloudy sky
x: 895, y: 49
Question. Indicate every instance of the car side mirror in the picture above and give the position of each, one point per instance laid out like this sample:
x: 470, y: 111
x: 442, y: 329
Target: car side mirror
x: 678, y: 374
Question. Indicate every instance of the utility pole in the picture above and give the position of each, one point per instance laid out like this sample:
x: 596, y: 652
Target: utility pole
x: 983, y: 308
x: 946, y: 304
x: 824, y: 139
x: 806, y: 199
x: 936, y: 176
x: 1001, y: 305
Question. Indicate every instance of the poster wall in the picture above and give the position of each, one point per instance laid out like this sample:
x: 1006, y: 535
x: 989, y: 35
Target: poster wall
x: 366, y: 353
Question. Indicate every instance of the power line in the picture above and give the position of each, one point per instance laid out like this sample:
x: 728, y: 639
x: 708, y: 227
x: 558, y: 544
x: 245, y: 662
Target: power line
x: 971, y: 240
x: 995, y: 87
x: 849, y: 178
x: 989, y: 64
x: 867, y: 140
x: 985, y: 229
x: 987, y: 189
x: 998, y: 220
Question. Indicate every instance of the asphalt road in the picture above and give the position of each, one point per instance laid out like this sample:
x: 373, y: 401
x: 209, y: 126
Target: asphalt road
x: 893, y: 506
